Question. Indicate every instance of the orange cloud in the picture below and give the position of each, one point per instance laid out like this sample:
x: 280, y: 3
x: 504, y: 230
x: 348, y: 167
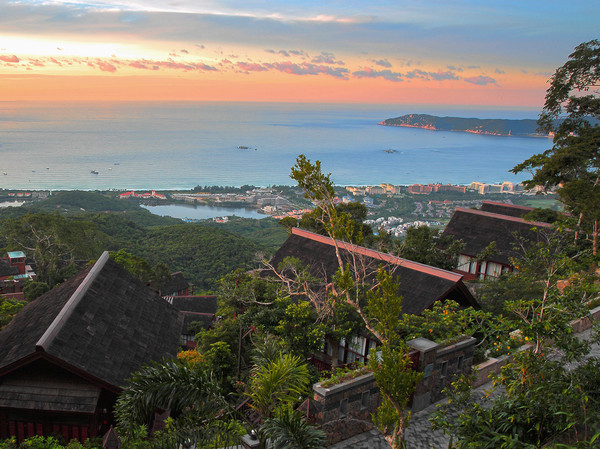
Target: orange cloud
x: 11, y: 58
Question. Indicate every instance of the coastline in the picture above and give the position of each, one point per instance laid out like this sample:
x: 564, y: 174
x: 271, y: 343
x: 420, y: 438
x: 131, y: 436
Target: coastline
x: 471, y: 131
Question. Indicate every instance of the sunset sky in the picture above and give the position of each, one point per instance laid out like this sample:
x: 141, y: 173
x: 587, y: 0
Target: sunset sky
x: 472, y: 52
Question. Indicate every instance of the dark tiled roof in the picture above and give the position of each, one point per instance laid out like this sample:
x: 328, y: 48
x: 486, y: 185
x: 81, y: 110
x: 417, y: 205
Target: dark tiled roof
x: 420, y: 285
x: 505, y: 209
x: 477, y: 229
x: 196, y: 308
x: 205, y: 318
x: 102, y: 321
x: 198, y: 304
x: 6, y: 269
x: 176, y: 283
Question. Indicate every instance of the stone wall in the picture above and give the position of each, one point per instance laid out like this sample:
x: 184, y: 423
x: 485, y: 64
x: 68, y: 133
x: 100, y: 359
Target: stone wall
x: 587, y: 322
x: 439, y: 364
x: 345, y: 409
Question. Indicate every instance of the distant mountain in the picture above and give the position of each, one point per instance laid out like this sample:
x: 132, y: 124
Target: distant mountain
x: 496, y: 127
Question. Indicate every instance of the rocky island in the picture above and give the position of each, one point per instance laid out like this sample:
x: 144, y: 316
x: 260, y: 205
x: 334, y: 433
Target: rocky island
x: 496, y: 127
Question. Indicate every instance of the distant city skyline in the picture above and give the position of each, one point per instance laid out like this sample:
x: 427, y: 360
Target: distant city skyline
x: 436, y: 52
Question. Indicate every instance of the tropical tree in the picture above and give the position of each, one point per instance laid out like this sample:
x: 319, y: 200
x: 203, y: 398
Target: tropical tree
x: 391, y: 365
x: 277, y: 383
x: 427, y: 245
x: 34, y: 289
x: 571, y: 113
x: 191, y: 394
x: 8, y: 310
x: 373, y: 296
x: 53, y: 241
x: 550, y: 387
x: 289, y: 430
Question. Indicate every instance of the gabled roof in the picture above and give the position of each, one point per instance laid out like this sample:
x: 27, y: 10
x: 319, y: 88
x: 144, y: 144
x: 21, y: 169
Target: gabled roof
x: 175, y: 283
x: 506, y: 209
x: 477, y: 229
x: 420, y: 285
x: 102, y: 323
x: 6, y: 269
x: 195, y: 304
x: 195, y: 308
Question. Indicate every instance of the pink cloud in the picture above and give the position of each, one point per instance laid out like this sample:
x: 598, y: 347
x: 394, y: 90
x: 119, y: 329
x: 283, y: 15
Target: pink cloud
x: 368, y: 72
x: 251, y: 67
x: 106, y: 67
x: 481, y: 80
x: 7, y: 58
x: 308, y: 69
x: 327, y: 58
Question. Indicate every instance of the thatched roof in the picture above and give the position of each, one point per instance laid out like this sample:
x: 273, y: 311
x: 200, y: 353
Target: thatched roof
x: 420, y: 285
x: 102, y: 323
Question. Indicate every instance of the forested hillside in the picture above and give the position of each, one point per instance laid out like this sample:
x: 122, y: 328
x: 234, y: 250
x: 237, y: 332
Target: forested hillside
x: 204, y: 252
x: 499, y: 127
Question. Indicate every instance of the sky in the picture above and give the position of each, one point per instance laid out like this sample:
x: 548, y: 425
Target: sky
x: 468, y: 52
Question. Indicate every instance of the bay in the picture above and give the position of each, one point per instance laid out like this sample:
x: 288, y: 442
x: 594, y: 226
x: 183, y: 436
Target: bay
x: 170, y: 146
x: 202, y: 212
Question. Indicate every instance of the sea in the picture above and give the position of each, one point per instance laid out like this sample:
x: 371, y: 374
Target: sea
x: 177, y: 146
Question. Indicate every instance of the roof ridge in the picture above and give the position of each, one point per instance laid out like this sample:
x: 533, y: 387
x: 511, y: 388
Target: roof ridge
x: 503, y: 217
x: 514, y: 206
x: 389, y: 258
x: 46, y: 339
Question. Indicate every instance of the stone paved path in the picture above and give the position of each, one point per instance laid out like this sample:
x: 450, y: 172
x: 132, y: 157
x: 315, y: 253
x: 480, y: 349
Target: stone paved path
x: 419, y: 434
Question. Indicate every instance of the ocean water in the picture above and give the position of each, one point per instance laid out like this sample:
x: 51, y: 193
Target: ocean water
x: 181, y: 145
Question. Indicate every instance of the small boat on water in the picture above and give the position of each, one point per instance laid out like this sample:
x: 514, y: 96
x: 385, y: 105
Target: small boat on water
x: 94, y: 172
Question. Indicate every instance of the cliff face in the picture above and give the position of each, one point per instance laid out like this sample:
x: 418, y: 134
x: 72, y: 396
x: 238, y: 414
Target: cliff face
x: 496, y: 127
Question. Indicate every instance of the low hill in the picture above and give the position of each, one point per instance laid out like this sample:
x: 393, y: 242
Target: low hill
x: 496, y: 127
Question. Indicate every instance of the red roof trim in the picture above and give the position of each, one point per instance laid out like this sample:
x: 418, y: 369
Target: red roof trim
x: 388, y: 258
x: 512, y: 206
x: 503, y: 217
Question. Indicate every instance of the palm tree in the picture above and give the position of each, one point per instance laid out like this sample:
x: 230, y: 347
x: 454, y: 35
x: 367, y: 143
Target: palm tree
x: 198, y: 409
x: 277, y: 382
x: 289, y: 430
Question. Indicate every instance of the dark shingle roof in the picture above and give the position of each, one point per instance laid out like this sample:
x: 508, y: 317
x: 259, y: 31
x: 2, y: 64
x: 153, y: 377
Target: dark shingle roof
x: 477, y: 229
x: 102, y: 321
x: 176, y: 283
x: 511, y: 210
x: 196, y: 308
x: 197, y: 304
x: 6, y: 269
x: 420, y: 285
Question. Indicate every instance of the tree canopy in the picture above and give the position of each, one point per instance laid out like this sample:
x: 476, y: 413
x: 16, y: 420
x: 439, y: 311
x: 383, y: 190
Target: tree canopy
x: 571, y: 113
